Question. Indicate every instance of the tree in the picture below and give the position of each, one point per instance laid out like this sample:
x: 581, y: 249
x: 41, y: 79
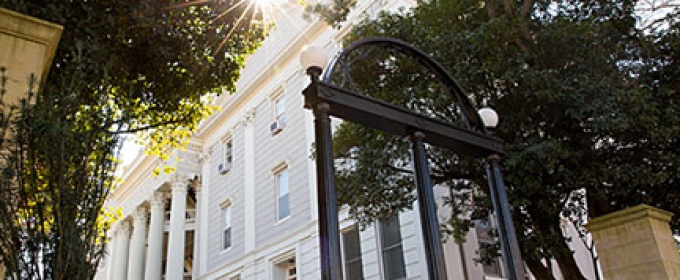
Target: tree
x: 121, y: 67
x: 588, y: 102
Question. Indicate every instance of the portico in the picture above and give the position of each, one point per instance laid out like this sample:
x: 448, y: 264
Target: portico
x: 152, y: 241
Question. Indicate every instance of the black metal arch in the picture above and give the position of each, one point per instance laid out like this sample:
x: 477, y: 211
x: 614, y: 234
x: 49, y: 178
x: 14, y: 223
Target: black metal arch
x: 326, y: 99
x: 470, y: 115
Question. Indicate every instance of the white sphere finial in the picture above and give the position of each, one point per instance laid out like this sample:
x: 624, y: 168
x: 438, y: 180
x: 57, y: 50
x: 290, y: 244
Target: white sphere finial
x: 313, y: 56
x: 489, y: 117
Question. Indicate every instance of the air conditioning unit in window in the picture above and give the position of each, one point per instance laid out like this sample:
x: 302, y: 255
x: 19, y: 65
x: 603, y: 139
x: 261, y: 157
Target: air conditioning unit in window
x: 277, y: 126
x: 223, y: 168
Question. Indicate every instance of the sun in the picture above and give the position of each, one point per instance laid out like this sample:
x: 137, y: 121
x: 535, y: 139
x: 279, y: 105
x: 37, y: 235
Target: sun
x: 269, y: 9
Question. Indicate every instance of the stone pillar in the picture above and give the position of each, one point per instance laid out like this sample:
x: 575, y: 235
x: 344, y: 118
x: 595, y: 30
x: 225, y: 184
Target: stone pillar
x: 110, y: 264
x: 137, y: 246
x: 636, y: 243
x: 122, y: 249
x: 174, y: 269
x: 201, y: 228
x: 250, y: 196
x: 154, y: 254
x: 27, y: 47
x: 196, y: 184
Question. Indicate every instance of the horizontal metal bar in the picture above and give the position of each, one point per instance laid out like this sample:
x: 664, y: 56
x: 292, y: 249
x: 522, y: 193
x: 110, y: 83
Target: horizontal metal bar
x: 384, y: 116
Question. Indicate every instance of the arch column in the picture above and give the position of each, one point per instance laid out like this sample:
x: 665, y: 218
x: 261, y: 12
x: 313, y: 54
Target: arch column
x: 174, y: 269
x: 154, y: 254
x: 137, y: 245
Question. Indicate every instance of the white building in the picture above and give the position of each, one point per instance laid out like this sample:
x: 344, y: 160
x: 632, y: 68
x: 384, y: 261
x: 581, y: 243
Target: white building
x: 242, y: 203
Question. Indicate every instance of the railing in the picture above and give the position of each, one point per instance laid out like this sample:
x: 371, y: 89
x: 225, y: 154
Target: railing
x: 190, y: 215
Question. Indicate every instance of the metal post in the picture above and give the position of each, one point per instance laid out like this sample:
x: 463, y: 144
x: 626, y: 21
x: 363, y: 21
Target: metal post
x: 329, y: 230
x: 428, y: 214
x: 512, y: 257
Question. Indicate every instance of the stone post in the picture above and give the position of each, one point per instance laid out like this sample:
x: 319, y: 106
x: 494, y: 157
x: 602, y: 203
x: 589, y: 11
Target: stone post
x: 196, y: 184
x: 636, y: 243
x: 110, y: 263
x: 154, y: 254
x: 174, y: 267
x: 122, y: 251
x: 27, y: 47
x: 137, y: 245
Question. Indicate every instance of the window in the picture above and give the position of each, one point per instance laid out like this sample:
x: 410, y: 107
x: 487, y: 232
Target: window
x: 291, y: 272
x: 279, y: 123
x: 227, y: 157
x: 283, y: 194
x: 492, y: 266
x: 280, y: 109
x: 392, y: 253
x: 226, y: 228
x: 228, y: 151
x: 286, y: 270
x: 351, y: 250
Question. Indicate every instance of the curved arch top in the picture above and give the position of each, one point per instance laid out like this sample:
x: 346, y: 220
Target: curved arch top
x: 470, y: 115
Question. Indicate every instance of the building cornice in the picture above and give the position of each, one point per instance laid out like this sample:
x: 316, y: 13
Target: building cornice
x: 232, y: 104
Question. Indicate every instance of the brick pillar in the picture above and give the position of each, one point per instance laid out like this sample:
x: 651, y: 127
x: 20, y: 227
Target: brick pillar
x: 636, y: 243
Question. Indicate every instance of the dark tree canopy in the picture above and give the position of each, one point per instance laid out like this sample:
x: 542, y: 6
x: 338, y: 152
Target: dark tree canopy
x: 588, y: 101
x: 121, y: 67
x: 151, y: 54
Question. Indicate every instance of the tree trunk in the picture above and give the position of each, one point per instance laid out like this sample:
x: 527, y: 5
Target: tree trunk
x: 565, y: 259
x: 539, y: 270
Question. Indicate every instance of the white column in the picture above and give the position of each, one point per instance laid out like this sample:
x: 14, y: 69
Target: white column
x: 137, y: 245
x: 202, y: 227
x: 154, y: 254
x: 249, y: 181
x: 122, y: 248
x: 197, y: 223
x: 174, y: 269
x: 113, y: 237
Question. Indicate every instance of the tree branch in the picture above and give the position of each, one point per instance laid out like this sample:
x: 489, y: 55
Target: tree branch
x: 146, y: 127
x: 490, y: 8
x: 526, y: 8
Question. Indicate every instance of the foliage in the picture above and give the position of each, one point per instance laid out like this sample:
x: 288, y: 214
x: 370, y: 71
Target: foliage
x: 152, y: 61
x: 587, y: 99
x: 52, y: 214
x: 146, y: 67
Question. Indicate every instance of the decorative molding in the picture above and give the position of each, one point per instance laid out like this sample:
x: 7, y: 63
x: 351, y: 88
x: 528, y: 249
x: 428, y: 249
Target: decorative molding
x: 140, y: 213
x: 204, y: 156
x: 212, y: 148
x: 194, y: 148
x: 179, y: 178
x: 283, y: 165
x: 123, y: 227
x: 277, y: 92
x: 226, y: 137
x: 249, y: 116
x: 226, y: 203
x: 158, y: 199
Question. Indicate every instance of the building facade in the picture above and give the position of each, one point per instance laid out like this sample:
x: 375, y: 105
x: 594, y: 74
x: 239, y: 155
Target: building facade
x: 242, y: 201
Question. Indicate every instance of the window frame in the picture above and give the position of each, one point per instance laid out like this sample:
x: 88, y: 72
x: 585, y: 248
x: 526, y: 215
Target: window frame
x: 228, y: 150
x: 386, y: 268
x: 345, y: 260
x: 278, y: 111
x: 278, y: 171
x: 483, y: 229
x: 280, y: 107
x: 226, y: 215
x: 281, y: 265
